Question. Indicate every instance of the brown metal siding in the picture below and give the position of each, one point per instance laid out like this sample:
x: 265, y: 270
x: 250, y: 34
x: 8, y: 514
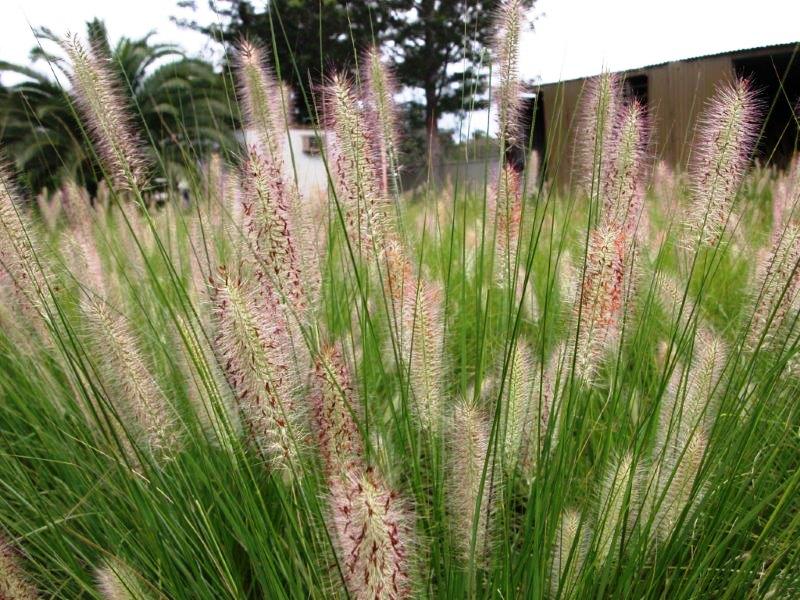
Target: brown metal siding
x: 677, y: 92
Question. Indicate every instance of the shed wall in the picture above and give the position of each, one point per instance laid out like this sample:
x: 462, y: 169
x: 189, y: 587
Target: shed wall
x: 677, y: 92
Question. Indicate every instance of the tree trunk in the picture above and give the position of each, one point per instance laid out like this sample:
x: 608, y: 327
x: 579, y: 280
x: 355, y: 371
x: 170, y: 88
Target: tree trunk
x: 431, y: 123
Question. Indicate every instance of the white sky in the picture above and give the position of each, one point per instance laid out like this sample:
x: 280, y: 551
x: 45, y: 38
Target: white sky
x: 575, y: 38
x: 572, y: 38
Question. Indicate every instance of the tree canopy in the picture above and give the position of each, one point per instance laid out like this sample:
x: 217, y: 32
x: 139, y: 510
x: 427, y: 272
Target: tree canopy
x: 437, y: 46
x: 180, y: 103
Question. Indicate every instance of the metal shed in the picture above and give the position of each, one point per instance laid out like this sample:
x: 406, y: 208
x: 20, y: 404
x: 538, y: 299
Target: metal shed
x: 674, y: 94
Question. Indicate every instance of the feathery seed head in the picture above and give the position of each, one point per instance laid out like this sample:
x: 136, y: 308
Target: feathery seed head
x: 422, y: 346
x: 508, y: 28
x: 616, y: 493
x: 686, y: 406
x: 569, y: 279
x: 76, y: 204
x: 517, y: 419
x: 267, y: 211
x: 623, y: 176
x: 138, y: 397
x: 776, y: 290
x: 13, y: 583
x: 568, y: 554
x: 118, y: 581
x: 725, y: 140
x: 786, y: 198
x: 209, y: 393
x: 351, y: 147
x: 505, y: 208
x: 599, y: 309
x: 254, y: 346
x: 710, y: 355
x: 525, y: 296
x: 674, y: 299
x: 262, y: 101
x: 469, y: 490
x: 102, y: 105
x: 382, y: 118
x: 373, y: 536
x: 19, y: 255
x: 334, y: 403
x: 595, y: 128
x: 399, y: 275
x: 675, y: 490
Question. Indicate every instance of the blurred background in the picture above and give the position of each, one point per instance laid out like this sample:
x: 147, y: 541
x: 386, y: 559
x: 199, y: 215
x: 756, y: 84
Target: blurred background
x: 173, y: 57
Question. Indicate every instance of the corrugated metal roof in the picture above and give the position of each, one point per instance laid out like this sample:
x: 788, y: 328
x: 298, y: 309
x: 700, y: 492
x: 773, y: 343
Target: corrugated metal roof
x: 785, y: 47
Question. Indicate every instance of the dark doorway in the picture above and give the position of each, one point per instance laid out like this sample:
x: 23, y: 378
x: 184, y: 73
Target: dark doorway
x: 532, y: 134
x: 776, y: 78
x: 634, y: 87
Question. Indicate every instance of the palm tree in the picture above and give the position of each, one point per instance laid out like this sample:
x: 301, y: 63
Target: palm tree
x: 181, y: 104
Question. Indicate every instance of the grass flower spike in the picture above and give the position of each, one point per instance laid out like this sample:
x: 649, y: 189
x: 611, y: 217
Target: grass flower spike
x: 725, y: 140
x: 470, y: 493
x: 568, y: 555
x: 601, y: 300
x: 350, y: 142
x: 505, y: 207
x: 262, y: 102
x: 334, y: 404
x: 269, y: 224
x: 616, y: 494
x: 374, y: 538
x: 117, y: 581
x: 18, y: 256
x: 622, y: 188
x: 13, y: 582
x: 596, y: 129
x: 136, y: 394
x: 255, y: 349
x: 507, y: 96
x: 422, y: 346
x: 103, y: 107
x: 383, y: 119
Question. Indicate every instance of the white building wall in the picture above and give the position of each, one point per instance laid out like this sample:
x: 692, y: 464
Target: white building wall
x: 312, y: 178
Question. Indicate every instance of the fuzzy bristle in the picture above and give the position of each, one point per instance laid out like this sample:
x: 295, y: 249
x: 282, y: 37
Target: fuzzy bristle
x: 504, y: 207
x: 382, y: 117
x: 117, y: 581
x: 20, y: 261
x: 422, y: 346
x: 136, y: 394
x: 602, y: 98
x: 268, y: 221
x: 568, y: 555
x: 471, y: 494
x: 255, y: 349
x: 615, y: 496
x: 622, y: 185
x: 14, y: 585
x: 776, y: 290
x: 518, y: 396
x: 274, y: 215
x: 508, y: 29
x: 262, y: 101
x: 358, y: 189
x: 674, y: 492
x: 103, y: 107
x: 333, y: 406
x: 599, y: 308
x: 725, y: 139
x: 681, y: 440
x: 373, y: 536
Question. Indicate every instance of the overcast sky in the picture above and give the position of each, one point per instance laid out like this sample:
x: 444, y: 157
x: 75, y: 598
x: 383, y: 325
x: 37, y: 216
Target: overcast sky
x: 572, y: 38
